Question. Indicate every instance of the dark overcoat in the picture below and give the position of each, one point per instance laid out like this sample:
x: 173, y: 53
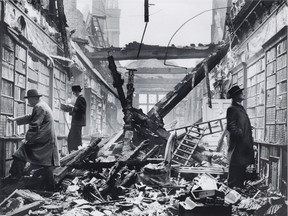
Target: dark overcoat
x: 79, y: 112
x: 40, y: 147
x: 240, y: 149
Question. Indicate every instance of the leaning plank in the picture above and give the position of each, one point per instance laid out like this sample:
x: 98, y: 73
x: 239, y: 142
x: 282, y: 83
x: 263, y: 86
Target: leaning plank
x: 25, y: 209
x: 29, y: 195
x: 86, y: 152
x: 127, y: 156
x: 64, y: 160
x: 7, y: 198
x: 60, y: 172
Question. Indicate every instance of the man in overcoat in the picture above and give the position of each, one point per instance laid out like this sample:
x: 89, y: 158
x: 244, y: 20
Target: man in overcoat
x: 240, y: 148
x: 78, y: 112
x: 40, y: 147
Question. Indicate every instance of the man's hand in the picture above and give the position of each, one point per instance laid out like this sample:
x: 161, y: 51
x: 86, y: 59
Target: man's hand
x: 67, y: 107
x: 10, y: 119
x: 70, y: 106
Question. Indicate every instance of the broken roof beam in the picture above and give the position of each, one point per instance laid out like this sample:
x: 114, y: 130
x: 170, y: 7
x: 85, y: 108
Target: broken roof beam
x: 151, y: 51
x: 172, y: 98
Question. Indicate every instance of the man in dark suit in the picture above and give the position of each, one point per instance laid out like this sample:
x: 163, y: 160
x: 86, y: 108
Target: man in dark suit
x: 240, y: 149
x: 78, y: 112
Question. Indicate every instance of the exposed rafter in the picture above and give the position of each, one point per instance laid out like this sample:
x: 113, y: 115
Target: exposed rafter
x: 151, y: 51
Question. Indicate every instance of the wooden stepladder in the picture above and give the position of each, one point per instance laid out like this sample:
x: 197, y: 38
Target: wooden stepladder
x: 183, y: 153
x: 185, y: 149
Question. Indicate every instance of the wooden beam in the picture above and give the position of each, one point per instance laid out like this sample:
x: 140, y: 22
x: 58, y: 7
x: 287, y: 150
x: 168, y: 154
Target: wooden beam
x: 25, y: 209
x: 151, y: 51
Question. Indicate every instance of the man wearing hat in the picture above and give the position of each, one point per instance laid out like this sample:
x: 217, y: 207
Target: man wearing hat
x: 78, y: 112
x: 240, y: 148
x: 40, y: 146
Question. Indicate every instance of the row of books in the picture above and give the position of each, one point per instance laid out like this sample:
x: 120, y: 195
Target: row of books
x: 281, y: 101
x: 270, y: 115
x: 270, y: 97
x: 281, y: 61
x: 20, y: 53
x: 20, y: 66
x: 281, y: 87
x: 271, y: 82
x: 259, y: 66
x: 281, y: 134
x: 281, y: 74
x: 281, y: 116
x: 255, y: 111
x: 8, y: 71
x: 7, y: 88
x: 271, y: 55
x: 281, y: 47
x: 8, y: 55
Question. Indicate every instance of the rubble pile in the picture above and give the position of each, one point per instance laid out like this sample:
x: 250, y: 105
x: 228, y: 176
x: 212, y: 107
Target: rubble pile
x: 120, y: 190
x: 137, y: 185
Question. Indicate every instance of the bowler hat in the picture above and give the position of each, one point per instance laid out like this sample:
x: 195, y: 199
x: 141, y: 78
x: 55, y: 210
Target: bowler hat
x: 233, y: 91
x: 32, y: 93
x: 76, y: 88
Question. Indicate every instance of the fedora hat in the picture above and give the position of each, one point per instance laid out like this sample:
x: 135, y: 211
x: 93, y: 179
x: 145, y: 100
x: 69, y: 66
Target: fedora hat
x: 32, y: 93
x: 233, y: 91
x: 76, y: 88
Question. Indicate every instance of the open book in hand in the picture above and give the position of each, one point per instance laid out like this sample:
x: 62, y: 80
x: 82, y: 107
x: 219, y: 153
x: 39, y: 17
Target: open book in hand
x: 67, y: 107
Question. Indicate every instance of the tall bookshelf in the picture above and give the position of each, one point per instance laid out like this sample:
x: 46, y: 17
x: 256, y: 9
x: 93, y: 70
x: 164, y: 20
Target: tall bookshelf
x: 256, y: 97
x: 238, y: 78
x: 59, y: 97
x: 273, y: 161
x: 13, y: 89
x: 276, y: 94
x: 13, y: 85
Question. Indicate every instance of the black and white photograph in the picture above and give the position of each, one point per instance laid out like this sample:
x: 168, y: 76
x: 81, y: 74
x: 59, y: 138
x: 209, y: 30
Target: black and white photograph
x: 143, y: 107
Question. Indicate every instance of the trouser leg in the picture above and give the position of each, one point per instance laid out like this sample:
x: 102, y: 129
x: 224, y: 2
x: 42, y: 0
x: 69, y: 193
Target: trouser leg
x: 17, y: 167
x: 46, y: 174
x: 49, y: 178
x: 74, y: 138
x: 236, y: 176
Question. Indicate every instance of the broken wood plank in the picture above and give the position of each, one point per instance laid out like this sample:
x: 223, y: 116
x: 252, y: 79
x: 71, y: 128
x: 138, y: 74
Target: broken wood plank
x: 129, y: 163
x: 210, y: 170
x: 60, y: 172
x: 29, y: 195
x: 64, y: 160
x: 85, y: 152
x: 7, y: 198
x: 25, y: 209
x: 127, y: 156
x: 151, y: 152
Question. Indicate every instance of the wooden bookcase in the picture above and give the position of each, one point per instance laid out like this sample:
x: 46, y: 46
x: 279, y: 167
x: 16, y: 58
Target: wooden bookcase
x: 255, y: 97
x: 13, y: 85
x: 8, y: 146
x: 273, y: 152
x: 13, y: 89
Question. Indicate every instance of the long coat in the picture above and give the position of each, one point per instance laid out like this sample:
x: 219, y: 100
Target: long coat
x: 240, y: 149
x: 40, y: 147
x: 79, y: 112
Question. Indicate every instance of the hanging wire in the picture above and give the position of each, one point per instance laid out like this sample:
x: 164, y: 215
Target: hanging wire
x: 166, y: 53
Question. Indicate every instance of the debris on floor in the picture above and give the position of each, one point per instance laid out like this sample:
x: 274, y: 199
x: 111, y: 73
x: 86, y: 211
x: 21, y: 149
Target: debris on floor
x: 137, y: 185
